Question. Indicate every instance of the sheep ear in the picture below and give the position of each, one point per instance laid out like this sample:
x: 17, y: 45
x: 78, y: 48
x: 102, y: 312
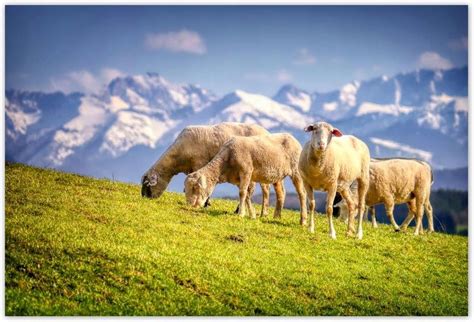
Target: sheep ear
x: 309, y: 128
x: 336, y: 132
x: 202, y: 182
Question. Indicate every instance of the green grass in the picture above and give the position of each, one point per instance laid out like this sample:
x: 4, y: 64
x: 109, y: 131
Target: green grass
x: 82, y: 246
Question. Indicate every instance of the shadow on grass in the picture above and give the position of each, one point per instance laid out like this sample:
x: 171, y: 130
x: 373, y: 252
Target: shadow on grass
x: 215, y: 212
x: 276, y: 222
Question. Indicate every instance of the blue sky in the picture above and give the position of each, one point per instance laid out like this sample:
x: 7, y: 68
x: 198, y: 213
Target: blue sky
x: 223, y: 48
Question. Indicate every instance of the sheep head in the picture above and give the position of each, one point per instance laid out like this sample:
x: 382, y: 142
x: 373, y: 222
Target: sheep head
x: 321, y: 135
x: 197, y: 189
x: 153, y: 185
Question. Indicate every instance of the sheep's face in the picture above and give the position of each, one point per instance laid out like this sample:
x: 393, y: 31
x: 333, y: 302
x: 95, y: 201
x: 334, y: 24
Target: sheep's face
x: 197, y: 190
x: 321, y: 135
x: 153, y: 185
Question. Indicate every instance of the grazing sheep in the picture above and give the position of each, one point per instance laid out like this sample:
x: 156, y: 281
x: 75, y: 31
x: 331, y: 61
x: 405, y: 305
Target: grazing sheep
x: 244, y: 160
x: 396, y: 181
x: 331, y: 162
x: 194, y: 147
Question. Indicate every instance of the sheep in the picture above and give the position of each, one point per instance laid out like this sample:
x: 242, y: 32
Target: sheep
x: 194, y: 147
x: 400, y: 180
x: 331, y: 162
x: 243, y: 160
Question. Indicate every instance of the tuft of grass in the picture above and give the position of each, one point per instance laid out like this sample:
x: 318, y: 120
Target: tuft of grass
x: 82, y: 246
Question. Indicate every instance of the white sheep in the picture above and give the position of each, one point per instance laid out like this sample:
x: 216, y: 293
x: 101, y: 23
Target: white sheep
x: 331, y: 162
x: 396, y: 181
x: 194, y: 147
x: 243, y: 160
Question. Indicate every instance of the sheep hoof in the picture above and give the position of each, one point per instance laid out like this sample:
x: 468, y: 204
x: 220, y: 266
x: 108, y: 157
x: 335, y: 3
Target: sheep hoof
x: 375, y: 226
x: 333, y: 236
x: 360, y: 235
x: 397, y: 230
x: 311, y: 230
x: 303, y: 222
x: 350, y: 233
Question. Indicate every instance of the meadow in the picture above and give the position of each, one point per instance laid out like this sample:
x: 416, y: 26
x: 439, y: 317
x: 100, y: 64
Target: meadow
x: 82, y: 246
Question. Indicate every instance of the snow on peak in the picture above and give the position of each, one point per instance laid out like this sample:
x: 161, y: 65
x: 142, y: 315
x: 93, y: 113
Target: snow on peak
x: 292, y: 96
x: 117, y: 104
x: 348, y: 92
x: 131, y: 129
x: 330, y: 106
x: 21, y: 118
x: 438, y: 109
x: 245, y: 107
x: 461, y: 104
x: 93, y: 114
x: 158, y: 94
x: 391, y: 109
x: 402, y: 149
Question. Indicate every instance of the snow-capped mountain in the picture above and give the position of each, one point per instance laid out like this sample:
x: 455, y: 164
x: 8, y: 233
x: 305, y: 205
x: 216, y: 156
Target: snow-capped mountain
x: 122, y: 130
x: 295, y: 97
x: 420, y: 114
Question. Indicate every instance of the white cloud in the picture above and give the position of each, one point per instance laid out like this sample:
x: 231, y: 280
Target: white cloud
x: 304, y: 57
x: 458, y: 44
x: 187, y: 41
x: 284, y: 76
x: 433, y: 60
x: 84, y: 81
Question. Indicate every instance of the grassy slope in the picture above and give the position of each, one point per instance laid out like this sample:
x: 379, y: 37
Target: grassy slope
x: 81, y: 246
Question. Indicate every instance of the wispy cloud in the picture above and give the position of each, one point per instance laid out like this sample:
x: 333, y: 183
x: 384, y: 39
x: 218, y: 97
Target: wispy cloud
x: 304, y: 57
x: 458, y: 44
x: 84, y: 81
x: 433, y: 60
x: 186, y: 41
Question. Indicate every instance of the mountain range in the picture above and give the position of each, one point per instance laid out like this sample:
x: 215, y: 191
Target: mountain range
x: 119, y: 132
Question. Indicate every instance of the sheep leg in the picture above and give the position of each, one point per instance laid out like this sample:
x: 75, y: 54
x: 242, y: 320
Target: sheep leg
x: 248, y: 200
x: 372, y: 216
x: 362, y: 187
x: 243, y: 191
x: 329, y: 202
x: 389, y: 205
x: 298, y: 183
x: 429, y: 211
x: 346, y: 195
x: 265, y: 199
x: 419, y: 216
x: 312, y: 205
x: 280, y: 198
x: 411, y: 214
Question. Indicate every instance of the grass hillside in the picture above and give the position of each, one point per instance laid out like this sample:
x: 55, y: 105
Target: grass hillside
x: 82, y: 246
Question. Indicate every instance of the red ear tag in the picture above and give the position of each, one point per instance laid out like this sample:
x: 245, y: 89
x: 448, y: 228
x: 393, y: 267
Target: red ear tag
x: 336, y: 132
